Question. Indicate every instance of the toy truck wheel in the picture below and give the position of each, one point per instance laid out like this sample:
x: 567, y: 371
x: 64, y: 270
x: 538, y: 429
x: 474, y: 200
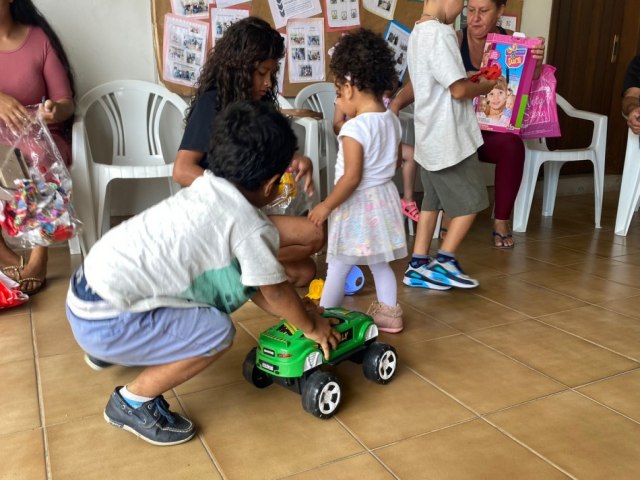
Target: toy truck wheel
x: 380, y: 363
x: 252, y: 373
x: 321, y: 394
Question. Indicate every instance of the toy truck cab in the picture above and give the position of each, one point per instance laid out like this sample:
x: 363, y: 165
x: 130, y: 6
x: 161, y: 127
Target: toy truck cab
x: 285, y: 356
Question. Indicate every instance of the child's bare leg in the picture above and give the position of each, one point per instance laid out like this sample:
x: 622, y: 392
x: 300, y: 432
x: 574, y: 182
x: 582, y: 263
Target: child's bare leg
x: 409, y: 168
x: 457, y: 230
x: 424, y: 232
x: 156, y: 380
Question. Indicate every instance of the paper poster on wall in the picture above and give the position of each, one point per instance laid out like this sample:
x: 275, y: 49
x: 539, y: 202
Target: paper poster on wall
x: 306, y: 50
x: 397, y: 36
x: 190, y: 8
x: 184, y: 49
x: 282, y: 63
x: 228, y: 3
x: 341, y: 14
x: 222, y: 18
x: 382, y: 8
x: 508, y: 22
x: 283, y: 10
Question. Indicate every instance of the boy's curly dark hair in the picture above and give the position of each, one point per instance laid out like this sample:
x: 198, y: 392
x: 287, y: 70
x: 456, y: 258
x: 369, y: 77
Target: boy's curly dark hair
x: 364, y: 59
x: 230, y: 64
x: 252, y: 142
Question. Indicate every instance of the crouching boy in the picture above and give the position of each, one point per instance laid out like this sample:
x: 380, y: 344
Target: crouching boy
x: 156, y: 291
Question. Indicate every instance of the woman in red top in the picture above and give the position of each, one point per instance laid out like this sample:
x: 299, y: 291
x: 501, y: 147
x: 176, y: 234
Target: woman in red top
x: 34, y: 66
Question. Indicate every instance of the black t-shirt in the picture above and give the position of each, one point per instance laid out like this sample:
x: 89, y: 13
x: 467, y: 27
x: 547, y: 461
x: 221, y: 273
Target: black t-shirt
x: 197, y: 132
x: 632, y: 77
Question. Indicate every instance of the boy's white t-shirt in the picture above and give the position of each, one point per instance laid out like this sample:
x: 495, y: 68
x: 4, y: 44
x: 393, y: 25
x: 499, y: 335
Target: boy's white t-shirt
x: 379, y: 133
x: 446, y: 129
x: 206, y: 245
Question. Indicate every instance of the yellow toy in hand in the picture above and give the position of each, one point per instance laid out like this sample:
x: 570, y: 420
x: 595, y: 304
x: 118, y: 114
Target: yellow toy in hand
x: 287, y: 186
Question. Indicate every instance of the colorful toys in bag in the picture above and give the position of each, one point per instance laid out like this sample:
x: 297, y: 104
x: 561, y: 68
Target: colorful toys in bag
x: 35, y: 210
x: 291, y: 199
x: 502, y: 109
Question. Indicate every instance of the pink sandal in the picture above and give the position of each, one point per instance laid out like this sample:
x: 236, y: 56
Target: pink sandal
x: 410, y: 209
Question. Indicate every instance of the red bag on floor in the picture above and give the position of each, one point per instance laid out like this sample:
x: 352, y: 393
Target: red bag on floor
x: 10, y: 294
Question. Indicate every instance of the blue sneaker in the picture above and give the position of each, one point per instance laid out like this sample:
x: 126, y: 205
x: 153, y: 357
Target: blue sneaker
x: 417, y: 277
x: 449, y: 273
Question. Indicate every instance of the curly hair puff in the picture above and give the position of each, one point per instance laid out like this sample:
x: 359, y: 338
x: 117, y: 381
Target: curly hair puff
x: 364, y: 59
x: 231, y: 63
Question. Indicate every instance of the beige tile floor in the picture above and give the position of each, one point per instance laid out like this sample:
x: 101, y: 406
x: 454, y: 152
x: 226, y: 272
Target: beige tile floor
x: 533, y: 375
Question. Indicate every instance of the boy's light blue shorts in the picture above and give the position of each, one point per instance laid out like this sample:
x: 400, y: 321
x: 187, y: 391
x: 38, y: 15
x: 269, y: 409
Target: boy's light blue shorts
x: 154, y: 337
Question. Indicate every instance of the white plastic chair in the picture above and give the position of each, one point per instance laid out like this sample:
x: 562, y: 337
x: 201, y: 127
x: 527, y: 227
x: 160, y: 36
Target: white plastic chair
x: 320, y: 97
x: 630, y: 186
x: 307, y: 131
x: 537, y: 154
x: 131, y: 113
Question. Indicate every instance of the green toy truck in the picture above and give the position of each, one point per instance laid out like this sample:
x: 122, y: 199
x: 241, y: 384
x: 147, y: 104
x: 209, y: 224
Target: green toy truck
x: 285, y: 356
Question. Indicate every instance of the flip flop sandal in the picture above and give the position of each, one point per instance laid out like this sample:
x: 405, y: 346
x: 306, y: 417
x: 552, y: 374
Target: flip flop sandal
x: 502, y: 239
x: 410, y: 209
x: 13, y: 271
x: 38, y: 282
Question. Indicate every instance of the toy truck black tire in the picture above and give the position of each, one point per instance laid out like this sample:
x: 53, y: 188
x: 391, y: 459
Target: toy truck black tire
x: 380, y: 362
x: 321, y: 394
x: 252, y: 373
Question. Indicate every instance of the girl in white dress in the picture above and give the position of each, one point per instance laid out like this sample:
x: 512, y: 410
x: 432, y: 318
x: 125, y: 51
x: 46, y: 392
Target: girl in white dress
x: 365, y: 219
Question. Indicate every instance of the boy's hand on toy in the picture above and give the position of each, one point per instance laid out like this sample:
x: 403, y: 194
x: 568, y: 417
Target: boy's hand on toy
x: 304, y: 168
x: 319, y: 214
x: 323, y: 333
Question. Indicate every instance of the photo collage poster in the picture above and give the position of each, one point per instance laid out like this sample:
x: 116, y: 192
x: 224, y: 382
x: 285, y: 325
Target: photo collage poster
x: 284, y: 10
x: 191, y: 8
x: 222, y: 18
x: 185, y: 49
x: 397, y: 36
x: 382, y: 8
x: 306, y: 50
x: 342, y: 15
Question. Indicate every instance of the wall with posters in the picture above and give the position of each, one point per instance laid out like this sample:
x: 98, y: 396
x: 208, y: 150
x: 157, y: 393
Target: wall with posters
x: 405, y: 14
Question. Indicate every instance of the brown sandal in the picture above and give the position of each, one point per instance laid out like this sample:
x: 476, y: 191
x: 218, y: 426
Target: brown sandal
x: 39, y: 282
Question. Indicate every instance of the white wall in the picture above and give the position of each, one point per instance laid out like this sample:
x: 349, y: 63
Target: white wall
x: 536, y: 18
x: 105, y: 39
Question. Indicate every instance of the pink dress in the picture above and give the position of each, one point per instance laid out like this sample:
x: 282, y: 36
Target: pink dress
x: 33, y: 70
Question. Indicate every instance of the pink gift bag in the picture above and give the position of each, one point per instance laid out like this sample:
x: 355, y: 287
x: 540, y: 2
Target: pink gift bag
x: 541, y: 114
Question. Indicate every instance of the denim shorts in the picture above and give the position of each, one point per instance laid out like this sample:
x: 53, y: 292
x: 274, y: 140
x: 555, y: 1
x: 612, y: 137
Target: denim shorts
x: 155, y: 337
x: 458, y: 190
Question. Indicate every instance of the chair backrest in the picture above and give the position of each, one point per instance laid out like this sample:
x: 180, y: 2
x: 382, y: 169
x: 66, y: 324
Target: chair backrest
x: 318, y: 97
x: 133, y: 109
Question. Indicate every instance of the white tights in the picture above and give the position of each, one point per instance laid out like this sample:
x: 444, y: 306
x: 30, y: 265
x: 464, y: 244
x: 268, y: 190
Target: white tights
x: 383, y: 276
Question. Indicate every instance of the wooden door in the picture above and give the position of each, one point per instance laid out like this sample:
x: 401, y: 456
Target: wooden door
x: 591, y: 42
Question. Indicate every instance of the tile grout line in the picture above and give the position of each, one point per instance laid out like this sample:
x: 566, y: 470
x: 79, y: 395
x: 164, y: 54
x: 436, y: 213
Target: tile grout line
x: 203, y: 442
x: 482, y: 417
x: 36, y: 363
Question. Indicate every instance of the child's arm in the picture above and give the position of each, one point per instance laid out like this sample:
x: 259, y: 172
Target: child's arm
x: 338, y: 119
x: 465, y: 89
x: 282, y: 300
x: 353, y: 160
x: 403, y: 98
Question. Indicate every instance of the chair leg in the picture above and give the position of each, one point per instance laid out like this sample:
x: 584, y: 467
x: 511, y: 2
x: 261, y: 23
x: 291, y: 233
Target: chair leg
x: 598, y: 185
x: 550, y: 187
x: 104, y: 217
x: 412, y: 232
x: 629, y: 195
x: 522, y: 206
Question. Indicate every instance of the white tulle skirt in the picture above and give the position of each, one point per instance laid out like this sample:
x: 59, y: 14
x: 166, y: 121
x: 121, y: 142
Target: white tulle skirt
x: 368, y: 228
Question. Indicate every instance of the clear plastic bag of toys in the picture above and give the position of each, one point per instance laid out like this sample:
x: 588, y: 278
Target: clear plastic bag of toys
x: 35, y: 187
x: 291, y: 199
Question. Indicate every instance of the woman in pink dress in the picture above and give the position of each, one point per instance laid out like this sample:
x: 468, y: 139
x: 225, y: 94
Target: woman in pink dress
x: 34, y: 67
